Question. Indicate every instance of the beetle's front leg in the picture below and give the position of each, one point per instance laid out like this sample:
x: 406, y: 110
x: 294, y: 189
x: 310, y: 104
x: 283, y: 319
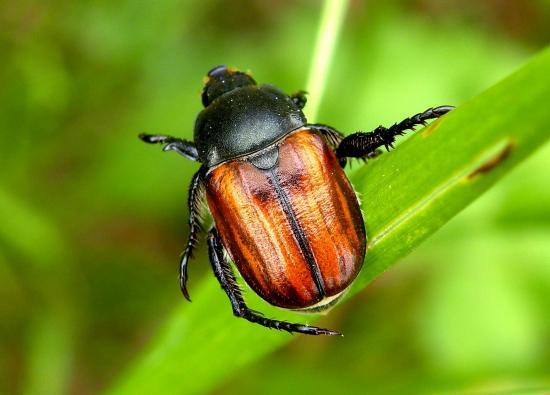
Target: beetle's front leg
x: 181, y: 146
x: 299, y: 98
x: 363, y: 145
x: 224, y: 274
x: 194, y: 202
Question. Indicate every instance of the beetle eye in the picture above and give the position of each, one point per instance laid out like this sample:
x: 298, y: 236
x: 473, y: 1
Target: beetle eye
x: 204, y: 98
x: 217, y: 70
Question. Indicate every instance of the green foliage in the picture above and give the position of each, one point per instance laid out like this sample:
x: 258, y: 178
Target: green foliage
x: 445, y: 166
x: 406, y: 196
x: 92, y: 221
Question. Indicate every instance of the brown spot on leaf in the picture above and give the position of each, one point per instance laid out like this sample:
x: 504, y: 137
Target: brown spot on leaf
x: 493, y: 162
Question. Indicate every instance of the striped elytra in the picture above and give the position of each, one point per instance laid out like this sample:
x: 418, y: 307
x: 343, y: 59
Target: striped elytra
x: 294, y: 231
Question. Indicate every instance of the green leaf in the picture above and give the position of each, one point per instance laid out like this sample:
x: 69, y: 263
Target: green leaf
x: 406, y: 196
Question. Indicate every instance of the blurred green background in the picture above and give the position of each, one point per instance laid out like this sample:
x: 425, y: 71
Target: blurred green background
x: 92, y: 221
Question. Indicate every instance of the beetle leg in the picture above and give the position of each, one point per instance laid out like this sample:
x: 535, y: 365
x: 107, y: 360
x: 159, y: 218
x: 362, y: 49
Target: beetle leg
x: 181, y: 146
x: 332, y: 136
x: 195, y: 202
x: 224, y: 274
x: 299, y: 98
x: 361, y: 145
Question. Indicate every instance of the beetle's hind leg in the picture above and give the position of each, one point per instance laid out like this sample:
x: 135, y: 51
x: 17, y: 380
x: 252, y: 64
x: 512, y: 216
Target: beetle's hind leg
x: 181, y: 146
x: 195, y: 202
x: 224, y: 274
x: 364, y: 145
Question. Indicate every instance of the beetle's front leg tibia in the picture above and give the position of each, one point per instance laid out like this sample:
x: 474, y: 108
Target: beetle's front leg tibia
x: 362, y: 145
x: 224, y: 274
x: 183, y: 147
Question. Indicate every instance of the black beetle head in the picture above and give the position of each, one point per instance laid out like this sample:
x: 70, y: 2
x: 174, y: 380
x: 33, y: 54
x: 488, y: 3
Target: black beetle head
x: 222, y: 79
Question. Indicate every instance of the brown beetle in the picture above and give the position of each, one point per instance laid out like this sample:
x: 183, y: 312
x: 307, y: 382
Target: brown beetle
x: 282, y: 205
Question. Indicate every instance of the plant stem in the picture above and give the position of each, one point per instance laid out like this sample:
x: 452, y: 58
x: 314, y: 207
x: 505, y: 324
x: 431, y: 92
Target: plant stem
x: 333, y: 14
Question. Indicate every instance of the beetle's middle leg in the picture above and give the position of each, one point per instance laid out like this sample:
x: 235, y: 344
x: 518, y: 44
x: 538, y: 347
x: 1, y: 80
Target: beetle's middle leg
x: 362, y: 145
x: 226, y: 278
x: 194, y: 202
x: 181, y: 146
x: 332, y: 136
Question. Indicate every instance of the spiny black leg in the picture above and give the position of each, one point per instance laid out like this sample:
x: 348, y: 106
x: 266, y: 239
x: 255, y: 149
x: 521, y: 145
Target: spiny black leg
x: 332, y: 136
x: 182, y: 147
x: 224, y: 274
x: 194, y: 202
x: 299, y: 98
x: 371, y: 155
x: 361, y: 145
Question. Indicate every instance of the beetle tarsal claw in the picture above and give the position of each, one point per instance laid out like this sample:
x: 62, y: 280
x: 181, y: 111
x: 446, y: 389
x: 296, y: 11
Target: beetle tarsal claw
x: 313, y: 330
x: 185, y: 292
x: 183, y: 286
x: 334, y: 333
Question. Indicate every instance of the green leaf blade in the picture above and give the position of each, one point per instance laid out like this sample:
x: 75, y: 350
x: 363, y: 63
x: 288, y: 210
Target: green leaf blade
x: 444, y: 167
x: 406, y: 196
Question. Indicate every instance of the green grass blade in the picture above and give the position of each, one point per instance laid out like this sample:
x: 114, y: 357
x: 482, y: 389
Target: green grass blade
x: 331, y: 23
x: 407, y: 195
x: 412, y: 192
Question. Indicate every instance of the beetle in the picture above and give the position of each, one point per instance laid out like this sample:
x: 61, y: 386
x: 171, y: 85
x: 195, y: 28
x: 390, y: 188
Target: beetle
x: 283, y: 209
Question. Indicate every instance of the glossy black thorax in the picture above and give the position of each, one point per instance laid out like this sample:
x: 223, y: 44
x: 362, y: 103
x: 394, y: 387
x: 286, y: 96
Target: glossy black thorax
x: 243, y: 121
